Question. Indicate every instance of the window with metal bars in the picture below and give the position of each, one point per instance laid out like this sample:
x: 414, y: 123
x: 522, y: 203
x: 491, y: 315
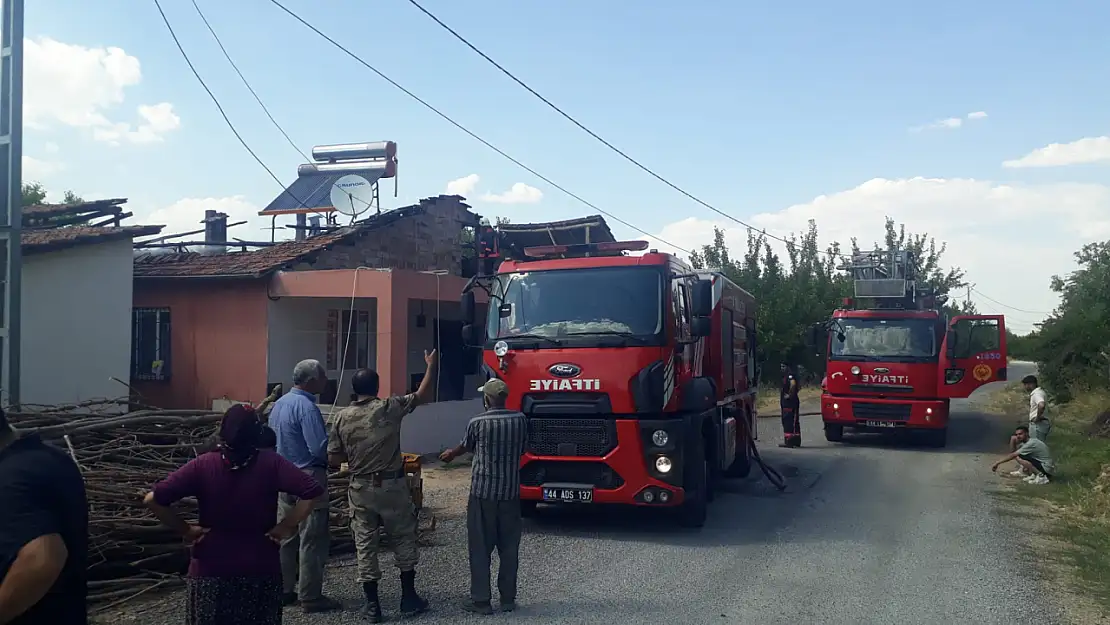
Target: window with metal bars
x: 150, y: 344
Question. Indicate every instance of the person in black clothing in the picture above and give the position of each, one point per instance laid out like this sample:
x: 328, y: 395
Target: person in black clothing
x: 44, y: 526
x: 790, y: 406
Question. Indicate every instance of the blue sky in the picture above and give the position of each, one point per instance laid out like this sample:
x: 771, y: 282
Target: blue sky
x: 756, y: 109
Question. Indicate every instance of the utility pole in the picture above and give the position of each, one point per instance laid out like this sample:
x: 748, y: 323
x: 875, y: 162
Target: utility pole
x: 11, y: 191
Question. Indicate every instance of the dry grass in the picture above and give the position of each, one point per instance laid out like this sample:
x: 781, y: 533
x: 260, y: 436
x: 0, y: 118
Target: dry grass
x: 767, y: 401
x: 1078, y: 501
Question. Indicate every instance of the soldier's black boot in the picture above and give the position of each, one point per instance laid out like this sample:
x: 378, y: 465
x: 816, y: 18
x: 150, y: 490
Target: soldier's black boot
x: 372, y: 609
x: 411, y: 603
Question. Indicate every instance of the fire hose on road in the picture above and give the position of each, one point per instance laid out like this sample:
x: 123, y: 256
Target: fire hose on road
x: 772, y: 473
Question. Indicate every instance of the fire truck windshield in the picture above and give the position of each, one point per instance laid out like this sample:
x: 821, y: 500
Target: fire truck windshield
x: 892, y: 340
x: 579, y: 303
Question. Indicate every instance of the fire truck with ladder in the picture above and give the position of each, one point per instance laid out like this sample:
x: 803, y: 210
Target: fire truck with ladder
x: 636, y: 374
x: 894, y: 361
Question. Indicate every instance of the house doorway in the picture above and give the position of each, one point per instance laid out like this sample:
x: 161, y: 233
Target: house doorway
x: 452, y: 358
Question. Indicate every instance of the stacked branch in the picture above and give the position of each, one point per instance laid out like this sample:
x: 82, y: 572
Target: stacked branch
x: 122, y: 453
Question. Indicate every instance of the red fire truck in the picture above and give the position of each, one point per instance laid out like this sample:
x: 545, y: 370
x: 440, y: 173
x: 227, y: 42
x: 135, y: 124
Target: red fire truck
x: 636, y: 374
x: 894, y: 361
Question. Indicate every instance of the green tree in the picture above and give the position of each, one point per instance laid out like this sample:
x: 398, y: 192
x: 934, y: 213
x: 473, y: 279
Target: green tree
x: 1072, y: 347
x: 33, y: 193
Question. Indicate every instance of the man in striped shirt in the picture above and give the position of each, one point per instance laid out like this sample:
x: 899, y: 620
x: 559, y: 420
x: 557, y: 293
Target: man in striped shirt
x: 496, y: 438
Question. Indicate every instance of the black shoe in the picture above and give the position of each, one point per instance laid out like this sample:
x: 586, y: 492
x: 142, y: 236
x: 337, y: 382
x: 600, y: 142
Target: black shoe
x: 323, y: 604
x: 411, y: 603
x: 288, y: 599
x: 477, y: 607
x: 508, y: 606
x: 372, y: 609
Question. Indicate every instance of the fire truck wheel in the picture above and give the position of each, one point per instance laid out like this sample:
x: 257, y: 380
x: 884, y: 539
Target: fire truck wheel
x: 528, y: 509
x: 834, y: 433
x: 695, y: 508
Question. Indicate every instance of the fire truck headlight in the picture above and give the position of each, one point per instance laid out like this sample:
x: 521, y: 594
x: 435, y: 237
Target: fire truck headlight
x: 663, y: 464
x: 836, y: 406
x: 928, y: 411
x: 500, y: 348
x: 660, y: 438
x: 855, y: 370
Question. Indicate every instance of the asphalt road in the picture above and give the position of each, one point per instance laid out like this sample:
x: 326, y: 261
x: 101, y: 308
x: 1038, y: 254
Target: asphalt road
x: 869, y: 531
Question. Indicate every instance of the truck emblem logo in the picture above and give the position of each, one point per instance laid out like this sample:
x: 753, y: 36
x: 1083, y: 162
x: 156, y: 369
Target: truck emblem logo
x: 564, y: 370
x: 882, y: 370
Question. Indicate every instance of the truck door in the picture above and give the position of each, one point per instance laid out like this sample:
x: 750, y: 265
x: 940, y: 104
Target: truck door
x: 973, y: 353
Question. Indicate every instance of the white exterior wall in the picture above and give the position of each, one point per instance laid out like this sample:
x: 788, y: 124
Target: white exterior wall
x: 76, y: 323
x: 298, y: 329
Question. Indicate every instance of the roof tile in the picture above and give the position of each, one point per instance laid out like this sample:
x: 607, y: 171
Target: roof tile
x: 70, y: 236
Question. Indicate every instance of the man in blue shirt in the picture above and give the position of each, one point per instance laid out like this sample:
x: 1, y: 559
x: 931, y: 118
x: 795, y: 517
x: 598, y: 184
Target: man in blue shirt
x: 302, y: 438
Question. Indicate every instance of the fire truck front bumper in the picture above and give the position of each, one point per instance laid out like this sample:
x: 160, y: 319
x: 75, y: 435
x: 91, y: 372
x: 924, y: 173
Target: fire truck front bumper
x: 876, y: 415
x: 620, y: 463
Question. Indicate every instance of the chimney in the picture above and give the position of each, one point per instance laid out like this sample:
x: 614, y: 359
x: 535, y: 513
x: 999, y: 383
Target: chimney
x: 313, y: 225
x: 302, y: 228
x: 215, y: 231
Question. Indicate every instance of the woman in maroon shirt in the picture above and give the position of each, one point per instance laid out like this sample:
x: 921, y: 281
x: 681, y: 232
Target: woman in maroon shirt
x: 235, y: 569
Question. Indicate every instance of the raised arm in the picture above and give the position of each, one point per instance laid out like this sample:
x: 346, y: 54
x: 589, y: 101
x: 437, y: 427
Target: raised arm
x: 426, y: 392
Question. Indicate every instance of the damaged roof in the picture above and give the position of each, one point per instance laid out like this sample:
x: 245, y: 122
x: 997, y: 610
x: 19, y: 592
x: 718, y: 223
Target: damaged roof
x: 592, y: 229
x: 260, y: 262
x: 52, y: 227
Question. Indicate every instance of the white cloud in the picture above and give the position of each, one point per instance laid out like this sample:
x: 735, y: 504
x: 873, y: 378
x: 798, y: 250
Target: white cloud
x: 1010, y: 239
x: 463, y: 186
x: 76, y: 86
x: 1081, y: 151
x: 186, y: 214
x: 950, y: 122
x: 519, y: 193
x: 36, y: 170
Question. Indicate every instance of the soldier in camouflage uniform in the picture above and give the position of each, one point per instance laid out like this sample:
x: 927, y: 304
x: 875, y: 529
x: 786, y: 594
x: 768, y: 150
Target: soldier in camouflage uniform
x: 367, y: 436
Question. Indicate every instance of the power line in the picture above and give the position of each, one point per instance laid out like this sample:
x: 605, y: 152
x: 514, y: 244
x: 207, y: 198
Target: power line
x: 991, y: 299
x: 216, y: 101
x: 246, y: 83
x: 593, y: 134
x: 466, y: 130
x: 262, y: 104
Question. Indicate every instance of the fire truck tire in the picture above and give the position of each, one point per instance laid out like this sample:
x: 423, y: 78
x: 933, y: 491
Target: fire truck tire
x: 695, y: 508
x: 834, y: 433
x: 936, y: 438
x: 528, y: 509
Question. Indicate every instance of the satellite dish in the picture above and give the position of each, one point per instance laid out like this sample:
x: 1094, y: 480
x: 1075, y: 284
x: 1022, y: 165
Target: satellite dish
x: 352, y: 195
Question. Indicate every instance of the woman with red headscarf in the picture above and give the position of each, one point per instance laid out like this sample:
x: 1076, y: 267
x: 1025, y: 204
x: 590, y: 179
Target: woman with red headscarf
x: 235, y: 568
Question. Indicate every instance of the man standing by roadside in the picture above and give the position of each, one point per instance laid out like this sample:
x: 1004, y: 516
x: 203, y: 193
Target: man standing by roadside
x: 302, y: 439
x: 1039, y: 425
x: 790, y: 405
x: 44, y: 525
x: 367, y: 436
x: 496, y: 438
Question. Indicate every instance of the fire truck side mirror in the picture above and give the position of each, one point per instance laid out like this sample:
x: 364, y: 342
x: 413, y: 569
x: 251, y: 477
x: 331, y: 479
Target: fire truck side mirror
x: 703, y: 299
x: 467, y: 305
x: 950, y: 344
x: 472, y: 335
x: 811, y: 336
x: 700, y: 326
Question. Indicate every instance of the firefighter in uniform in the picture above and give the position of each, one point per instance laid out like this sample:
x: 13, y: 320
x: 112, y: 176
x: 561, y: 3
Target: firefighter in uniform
x: 367, y: 436
x: 790, y: 405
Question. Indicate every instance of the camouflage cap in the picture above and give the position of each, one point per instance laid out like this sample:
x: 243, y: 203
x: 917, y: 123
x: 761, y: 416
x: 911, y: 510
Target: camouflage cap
x: 494, y: 388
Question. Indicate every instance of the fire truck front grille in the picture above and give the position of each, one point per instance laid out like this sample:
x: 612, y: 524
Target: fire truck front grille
x: 885, y: 412
x: 596, y: 474
x: 592, y: 438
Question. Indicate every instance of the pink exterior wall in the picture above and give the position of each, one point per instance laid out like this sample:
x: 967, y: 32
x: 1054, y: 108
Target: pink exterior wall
x: 218, y: 334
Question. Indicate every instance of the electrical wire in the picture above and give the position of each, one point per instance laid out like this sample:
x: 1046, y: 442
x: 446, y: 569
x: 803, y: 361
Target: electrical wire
x: 599, y: 138
x: 216, y: 101
x: 991, y: 299
x: 262, y: 105
x: 469, y: 132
